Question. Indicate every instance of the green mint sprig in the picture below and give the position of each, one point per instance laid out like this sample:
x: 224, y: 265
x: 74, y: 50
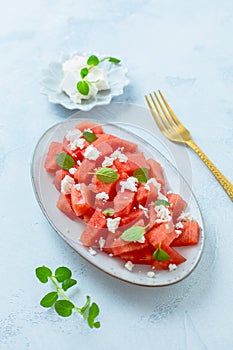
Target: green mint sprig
x: 106, y: 175
x: 108, y: 212
x: 162, y: 202
x: 83, y: 86
x: 62, y: 281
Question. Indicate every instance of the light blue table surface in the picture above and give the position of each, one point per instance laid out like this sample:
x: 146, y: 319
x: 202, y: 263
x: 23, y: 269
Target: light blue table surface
x: 185, y: 49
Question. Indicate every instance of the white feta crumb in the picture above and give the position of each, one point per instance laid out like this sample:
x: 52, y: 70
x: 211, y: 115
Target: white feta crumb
x: 74, y: 134
x: 167, y: 227
x: 117, y: 154
x: 185, y: 217
x: 92, y: 251
x: 178, y: 232
x: 92, y: 153
x: 72, y: 171
x: 79, y: 162
x: 169, y: 192
x: 108, y: 161
x: 102, y: 195
x: 179, y: 225
x: 101, y: 242
x: 150, y: 274
x: 163, y: 214
x: 172, y: 267
x: 88, y: 130
x: 78, y: 187
x: 145, y: 210
x: 112, y: 224
x: 129, y: 184
x: 111, y: 255
x: 66, y: 184
x: 129, y: 265
x: 147, y: 187
x: 77, y: 143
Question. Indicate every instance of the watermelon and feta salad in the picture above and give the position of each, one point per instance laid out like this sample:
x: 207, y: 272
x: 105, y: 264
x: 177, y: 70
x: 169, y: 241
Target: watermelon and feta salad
x: 122, y: 197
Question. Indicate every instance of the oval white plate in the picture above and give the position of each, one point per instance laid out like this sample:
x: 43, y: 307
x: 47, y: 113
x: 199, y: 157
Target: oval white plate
x: 53, y: 75
x: 70, y: 231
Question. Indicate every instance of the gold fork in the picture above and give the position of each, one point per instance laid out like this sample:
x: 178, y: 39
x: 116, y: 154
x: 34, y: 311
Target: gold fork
x: 175, y: 131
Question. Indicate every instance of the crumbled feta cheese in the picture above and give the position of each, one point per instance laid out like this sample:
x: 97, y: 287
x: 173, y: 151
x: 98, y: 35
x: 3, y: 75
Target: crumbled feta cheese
x: 92, y: 153
x: 178, y: 232
x: 71, y: 70
x: 72, y: 171
x: 108, y: 161
x: 102, y: 195
x: 172, y: 267
x: 163, y: 214
x: 145, y: 210
x: 66, y: 184
x: 73, y: 135
x: 185, y: 217
x: 167, y: 227
x: 129, y: 265
x: 113, y: 224
x: 169, y: 192
x: 117, y: 154
x: 101, y: 242
x: 78, y: 187
x: 147, y: 187
x: 111, y: 255
x: 88, y: 130
x: 129, y: 184
x: 150, y: 274
x: 92, y: 251
x: 79, y: 162
x: 179, y: 225
x: 77, y: 143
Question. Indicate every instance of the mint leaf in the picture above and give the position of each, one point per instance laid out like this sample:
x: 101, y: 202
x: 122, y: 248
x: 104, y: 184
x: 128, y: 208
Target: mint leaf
x: 89, y: 136
x: 62, y: 273
x: 114, y: 60
x: 83, y: 87
x: 65, y: 161
x: 43, y: 273
x: 108, y: 212
x: 64, y: 308
x: 162, y: 202
x: 68, y: 283
x: 141, y: 174
x: 83, y: 72
x: 92, y: 314
x: 133, y: 234
x: 93, y: 60
x: 160, y: 255
x: 106, y: 175
x: 49, y: 299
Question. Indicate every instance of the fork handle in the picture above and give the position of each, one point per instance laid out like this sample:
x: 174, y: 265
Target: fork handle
x: 228, y: 187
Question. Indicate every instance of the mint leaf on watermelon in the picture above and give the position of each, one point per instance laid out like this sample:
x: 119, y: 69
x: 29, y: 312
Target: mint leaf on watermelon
x: 108, y: 212
x: 133, y: 234
x: 106, y: 175
x: 89, y: 136
x: 160, y: 254
x: 141, y: 174
x: 65, y: 161
x: 162, y: 202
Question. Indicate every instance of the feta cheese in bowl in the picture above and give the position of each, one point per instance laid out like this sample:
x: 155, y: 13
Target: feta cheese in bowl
x: 100, y: 80
x: 97, y: 79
